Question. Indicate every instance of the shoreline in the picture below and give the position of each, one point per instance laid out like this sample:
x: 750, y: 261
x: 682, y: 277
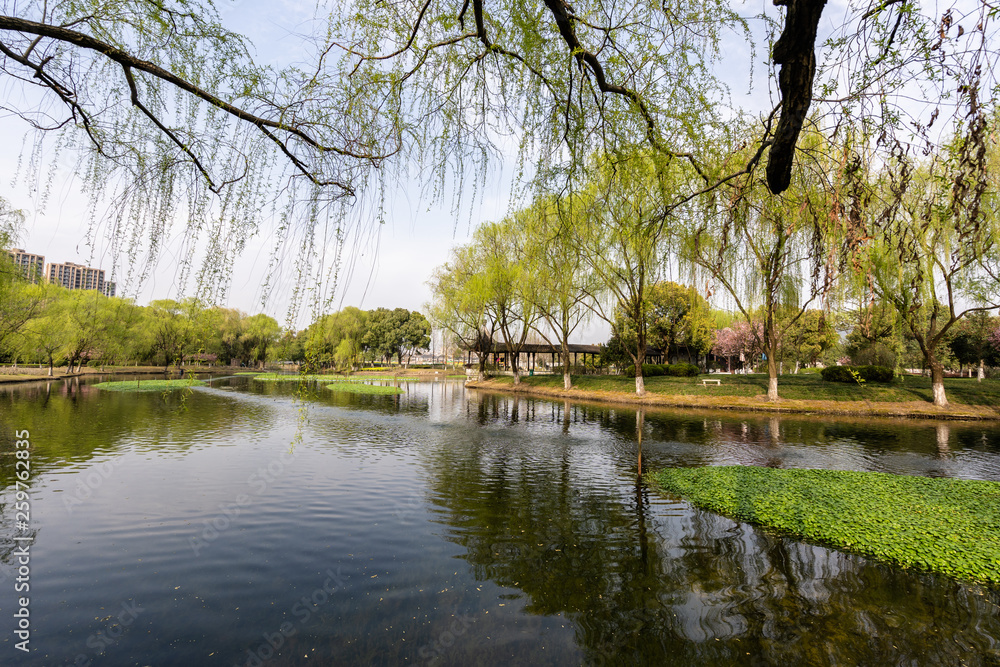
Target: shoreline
x: 758, y: 404
x: 43, y: 376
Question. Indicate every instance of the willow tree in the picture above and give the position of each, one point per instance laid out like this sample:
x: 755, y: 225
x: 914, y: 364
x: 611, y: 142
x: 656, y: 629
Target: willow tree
x: 935, y: 247
x: 772, y: 256
x: 165, y: 116
x: 621, y: 239
x: 563, y: 283
x: 508, y: 285
x: 458, y: 304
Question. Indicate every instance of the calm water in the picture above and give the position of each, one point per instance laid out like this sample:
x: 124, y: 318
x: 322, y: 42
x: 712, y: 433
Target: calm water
x: 242, y: 524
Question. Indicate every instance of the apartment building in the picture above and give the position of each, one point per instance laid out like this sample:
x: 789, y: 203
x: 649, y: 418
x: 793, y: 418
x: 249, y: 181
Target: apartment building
x: 31, y: 265
x: 75, y: 276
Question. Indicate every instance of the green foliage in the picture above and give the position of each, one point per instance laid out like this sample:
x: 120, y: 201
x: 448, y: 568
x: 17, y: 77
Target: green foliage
x: 360, y: 388
x: 947, y: 526
x: 133, y: 386
x: 851, y: 373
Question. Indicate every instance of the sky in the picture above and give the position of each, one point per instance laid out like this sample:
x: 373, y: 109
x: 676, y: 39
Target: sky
x: 390, y: 269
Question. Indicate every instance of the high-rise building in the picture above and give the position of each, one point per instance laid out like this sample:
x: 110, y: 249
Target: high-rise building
x: 75, y: 276
x: 109, y: 288
x: 31, y: 265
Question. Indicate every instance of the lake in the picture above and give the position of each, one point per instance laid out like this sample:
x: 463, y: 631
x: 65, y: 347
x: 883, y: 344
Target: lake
x: 251, y: 523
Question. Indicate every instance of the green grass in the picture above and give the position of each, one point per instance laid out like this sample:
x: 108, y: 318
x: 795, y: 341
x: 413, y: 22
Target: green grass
x: 947, y: 526
x: 148, y: 385
x: 359, y: 388
x: 248, y: 373
x: 965, y: 391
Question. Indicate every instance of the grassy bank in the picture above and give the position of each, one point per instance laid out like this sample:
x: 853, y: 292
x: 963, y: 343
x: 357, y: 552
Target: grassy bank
x: 945, y: 526
x: 807, y: 393
x: 148, y: 385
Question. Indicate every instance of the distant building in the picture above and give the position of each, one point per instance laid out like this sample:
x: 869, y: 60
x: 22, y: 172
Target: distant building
x: 109, y: 288
x: 75, y: 276
x: 31, y: 265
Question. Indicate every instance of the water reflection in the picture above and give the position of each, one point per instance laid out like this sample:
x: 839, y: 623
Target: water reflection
x: 521, y: 516
x: 648, y: 581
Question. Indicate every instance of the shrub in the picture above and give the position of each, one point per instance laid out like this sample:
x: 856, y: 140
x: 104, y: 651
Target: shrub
x: 837, y: 374
x: 875, y: 373
x: 867, y: 373
x: 672, y: 370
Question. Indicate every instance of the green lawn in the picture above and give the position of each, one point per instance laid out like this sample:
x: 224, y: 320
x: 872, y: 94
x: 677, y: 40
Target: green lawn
x: 148, y: 385
x: 947, y: 526
x: 809, y: 386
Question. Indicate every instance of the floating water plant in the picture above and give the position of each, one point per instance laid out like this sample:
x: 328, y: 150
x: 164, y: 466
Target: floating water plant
x: 948, y: 526
x: 359, y: 388
x: 148, y: 385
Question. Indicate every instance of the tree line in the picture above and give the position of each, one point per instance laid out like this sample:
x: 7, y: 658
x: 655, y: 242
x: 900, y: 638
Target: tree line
x: 49, y: 324
x: 905, y: 242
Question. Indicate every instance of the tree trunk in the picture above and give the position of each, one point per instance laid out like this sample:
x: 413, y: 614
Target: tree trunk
x: 640, y: 385
x: 981, y: 372
x: 937, y: 384
x: 567, y: 378
x: 772, y: 377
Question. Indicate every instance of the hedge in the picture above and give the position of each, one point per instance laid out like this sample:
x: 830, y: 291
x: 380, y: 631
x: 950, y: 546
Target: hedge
x: 867, y: 373
x: 673, y: 370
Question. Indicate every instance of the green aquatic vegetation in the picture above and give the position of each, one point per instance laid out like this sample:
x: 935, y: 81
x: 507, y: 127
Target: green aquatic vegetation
x: 248, y: 373
x: 290, y: 377
x: 282, y: 377
x: 947, y: 526
x: 149, y: 385
x: 359, y: 388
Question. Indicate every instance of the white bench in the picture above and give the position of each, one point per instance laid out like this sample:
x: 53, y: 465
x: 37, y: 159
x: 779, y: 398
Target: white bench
x: 705, y: 381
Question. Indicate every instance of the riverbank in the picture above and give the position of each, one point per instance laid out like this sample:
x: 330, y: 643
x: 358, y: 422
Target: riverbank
x: 33, y: 374
x: 947, y: 526
x: 805, y: 394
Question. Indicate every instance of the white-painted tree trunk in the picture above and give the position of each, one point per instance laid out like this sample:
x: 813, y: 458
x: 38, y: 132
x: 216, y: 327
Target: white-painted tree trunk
x: 567, y: 380
x: 981, y: 372
x: 940, y: 398
x: 640, y: 386
x: 772, y: 388
x: 937, y: 385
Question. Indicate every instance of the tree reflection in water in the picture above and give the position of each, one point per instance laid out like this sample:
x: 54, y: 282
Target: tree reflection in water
x: 652, y: 581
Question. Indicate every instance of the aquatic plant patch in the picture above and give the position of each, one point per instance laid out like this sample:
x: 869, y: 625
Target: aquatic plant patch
x: 148, y: 385
x: 360, y: 388
x: 290, y: 377
x: 948, y: 526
